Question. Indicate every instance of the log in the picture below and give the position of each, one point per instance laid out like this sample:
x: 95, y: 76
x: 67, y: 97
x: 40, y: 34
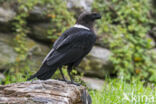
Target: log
x: 43, y: 92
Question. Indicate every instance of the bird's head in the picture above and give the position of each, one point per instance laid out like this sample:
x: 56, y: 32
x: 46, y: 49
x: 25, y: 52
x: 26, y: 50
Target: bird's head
x: 87, y: 19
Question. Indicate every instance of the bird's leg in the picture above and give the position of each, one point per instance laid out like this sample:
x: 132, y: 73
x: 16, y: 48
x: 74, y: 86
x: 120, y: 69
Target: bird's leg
x: 72, y: 81
x: 32, y: 81
x: 60, y: 68
x: 69, y: 70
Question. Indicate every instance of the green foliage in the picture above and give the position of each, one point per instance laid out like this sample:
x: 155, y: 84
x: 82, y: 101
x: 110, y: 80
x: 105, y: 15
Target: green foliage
x: 127, y: 24
x: 117, y: 91
x: 19, y: 69
x: 2, y: 1
x: 60, y: 19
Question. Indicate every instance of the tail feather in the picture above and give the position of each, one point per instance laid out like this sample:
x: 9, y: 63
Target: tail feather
x: 47, y: 75
x: 44, y: 73
x: 32, y: 77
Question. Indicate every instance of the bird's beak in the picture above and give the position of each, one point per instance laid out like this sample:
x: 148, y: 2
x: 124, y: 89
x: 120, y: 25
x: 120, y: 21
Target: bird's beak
x: 96, y: 16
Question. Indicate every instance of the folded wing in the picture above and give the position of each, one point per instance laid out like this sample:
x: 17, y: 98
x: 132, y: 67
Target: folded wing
x: 72, y: 48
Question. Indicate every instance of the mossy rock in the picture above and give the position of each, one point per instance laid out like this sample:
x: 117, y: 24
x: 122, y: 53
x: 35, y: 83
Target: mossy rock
x: 7, y: 53
x: 97, y: 63
x: 39, y: 32
x: 36, y: 51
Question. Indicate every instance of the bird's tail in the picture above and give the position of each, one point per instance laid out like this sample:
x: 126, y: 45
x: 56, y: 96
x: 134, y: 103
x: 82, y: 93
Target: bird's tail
x: 44, y: 73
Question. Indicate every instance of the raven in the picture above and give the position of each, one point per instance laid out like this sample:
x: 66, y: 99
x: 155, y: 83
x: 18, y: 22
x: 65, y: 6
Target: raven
x: 70, y: 48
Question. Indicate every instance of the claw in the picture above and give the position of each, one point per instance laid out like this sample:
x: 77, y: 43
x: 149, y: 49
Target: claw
x: 74, y: 83
x: 62, y: 80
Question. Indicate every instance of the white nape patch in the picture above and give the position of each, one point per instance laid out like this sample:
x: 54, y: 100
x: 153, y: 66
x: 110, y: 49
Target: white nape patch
x: 81, y: 26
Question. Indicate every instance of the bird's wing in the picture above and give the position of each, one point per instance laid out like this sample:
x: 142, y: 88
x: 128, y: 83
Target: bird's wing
x: 60, y: 39
x: 72, y: 48
x: 56, y: 43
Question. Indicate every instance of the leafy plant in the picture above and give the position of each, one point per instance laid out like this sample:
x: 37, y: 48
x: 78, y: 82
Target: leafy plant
x: 127, y: 23
x: 61, y: 17
x: 21, y: 66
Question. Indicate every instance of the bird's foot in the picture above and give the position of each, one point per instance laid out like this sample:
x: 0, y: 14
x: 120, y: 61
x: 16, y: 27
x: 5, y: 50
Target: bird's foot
x: 69, y: 82
x: 62, y: 80
x: 32, y: 81
x: 74, y: 83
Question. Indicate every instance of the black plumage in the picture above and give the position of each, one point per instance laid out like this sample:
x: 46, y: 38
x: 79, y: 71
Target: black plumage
x: 70, y: 48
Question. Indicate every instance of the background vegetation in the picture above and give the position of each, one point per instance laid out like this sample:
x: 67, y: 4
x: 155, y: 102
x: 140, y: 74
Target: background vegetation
x: 127, y: 24
x: 125, y: 28
x: 60, y: 18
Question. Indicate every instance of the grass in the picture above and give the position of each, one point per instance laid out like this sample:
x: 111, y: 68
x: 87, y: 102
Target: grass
x: 120, y: 92
x: 115, y: 91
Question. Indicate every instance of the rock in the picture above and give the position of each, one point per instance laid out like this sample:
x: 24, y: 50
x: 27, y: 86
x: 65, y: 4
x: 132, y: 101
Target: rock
x: 80, y: 4
x: 102, y: 40
x: 43, y: 92
x: 151, y: 40
x: 38, y: 15
x: 97, y: 85
x: 7, y: 53
x: 152, y: 53
x: 97, y: 63
x: 1, y: 77
x: 153, y: 33
x: 36, y: 51
x: 39, y: 32
x: 6, y: 15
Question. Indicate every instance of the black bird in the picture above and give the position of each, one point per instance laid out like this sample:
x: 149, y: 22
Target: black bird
x: 70, y: 48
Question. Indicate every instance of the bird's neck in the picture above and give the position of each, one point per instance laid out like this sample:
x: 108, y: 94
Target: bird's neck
x: 84, y: 26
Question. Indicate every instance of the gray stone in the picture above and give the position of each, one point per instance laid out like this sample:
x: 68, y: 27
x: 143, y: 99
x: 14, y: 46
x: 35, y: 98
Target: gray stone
x: 38, y: 15
x: 152, y: 53
x: 39, y: 31
x: 93, y: 83
x: 6, y: 14
x: 36, y: 51
x: 151, y: 40
x: 7, y: 53
x: 97, y: 63
x: 103, y: 40
x: 2, y: 77
x: 82, y: 4
x: 43, y: 92
x: 100, y: 53
x: 153, y: 33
